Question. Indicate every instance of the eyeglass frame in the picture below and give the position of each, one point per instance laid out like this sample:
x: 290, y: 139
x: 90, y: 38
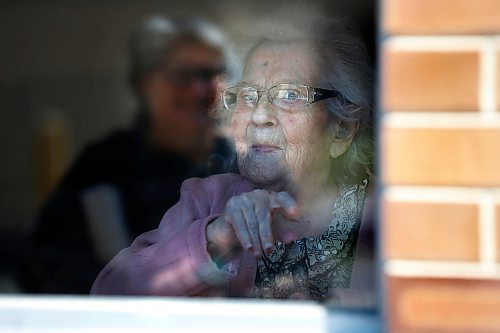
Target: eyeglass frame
x: 313, y: 94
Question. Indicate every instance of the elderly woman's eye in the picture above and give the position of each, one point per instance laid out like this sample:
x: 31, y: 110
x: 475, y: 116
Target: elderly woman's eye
x: 247, y: 96
x: 230, y: 97
x: 289, y: 95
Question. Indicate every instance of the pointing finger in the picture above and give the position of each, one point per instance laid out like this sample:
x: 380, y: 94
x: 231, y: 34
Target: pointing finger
x: 285, y: 203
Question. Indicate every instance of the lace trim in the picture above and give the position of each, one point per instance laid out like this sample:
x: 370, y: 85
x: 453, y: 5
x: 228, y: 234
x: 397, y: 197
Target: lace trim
x: 312, y: 266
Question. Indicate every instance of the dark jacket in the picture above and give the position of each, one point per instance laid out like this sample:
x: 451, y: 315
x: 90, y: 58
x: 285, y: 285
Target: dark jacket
x: 145, y: 183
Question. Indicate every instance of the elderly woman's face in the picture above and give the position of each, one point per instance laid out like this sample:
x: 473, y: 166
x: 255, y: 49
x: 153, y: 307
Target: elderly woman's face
x: 276, y: 145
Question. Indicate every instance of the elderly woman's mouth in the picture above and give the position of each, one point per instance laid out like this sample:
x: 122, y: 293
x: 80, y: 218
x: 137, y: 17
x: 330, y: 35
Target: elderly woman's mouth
x: 265, y: 148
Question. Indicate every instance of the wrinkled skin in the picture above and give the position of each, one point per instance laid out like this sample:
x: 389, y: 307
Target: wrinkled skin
x: 251, y: 221
x: 277, y: 148
x: 284, y: 154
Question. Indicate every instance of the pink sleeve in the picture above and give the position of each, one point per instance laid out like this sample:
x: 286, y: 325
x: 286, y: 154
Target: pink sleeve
x: 173, y: 259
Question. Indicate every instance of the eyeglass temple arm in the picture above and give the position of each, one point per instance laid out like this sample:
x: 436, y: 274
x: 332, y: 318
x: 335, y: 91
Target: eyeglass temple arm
x: 319, y: 94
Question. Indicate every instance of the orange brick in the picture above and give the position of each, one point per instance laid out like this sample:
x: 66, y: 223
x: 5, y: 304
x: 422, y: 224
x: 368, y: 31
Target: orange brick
x: 443, y: 305
x: 441, y: 16
x: 430, y: 81
x: 435, y: 231
x: 463, y: 156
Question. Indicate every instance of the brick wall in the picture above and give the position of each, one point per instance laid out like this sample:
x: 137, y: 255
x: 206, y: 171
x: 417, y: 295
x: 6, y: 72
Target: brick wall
x: 440, y: 162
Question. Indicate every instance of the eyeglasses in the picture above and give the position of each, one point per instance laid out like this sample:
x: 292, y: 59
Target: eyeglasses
x: 288, y: 96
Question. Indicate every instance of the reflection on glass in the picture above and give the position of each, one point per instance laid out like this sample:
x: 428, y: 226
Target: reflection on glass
x: 280, y: 207
x: 285, y: 225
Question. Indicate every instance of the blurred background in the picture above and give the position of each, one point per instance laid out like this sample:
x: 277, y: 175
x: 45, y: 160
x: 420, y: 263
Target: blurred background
x: 63, y: 84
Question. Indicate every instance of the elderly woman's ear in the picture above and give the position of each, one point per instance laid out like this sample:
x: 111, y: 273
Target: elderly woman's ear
x: 342, y: 135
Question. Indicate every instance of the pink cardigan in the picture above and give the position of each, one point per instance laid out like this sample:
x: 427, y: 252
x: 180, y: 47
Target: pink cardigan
x: 173, y: 260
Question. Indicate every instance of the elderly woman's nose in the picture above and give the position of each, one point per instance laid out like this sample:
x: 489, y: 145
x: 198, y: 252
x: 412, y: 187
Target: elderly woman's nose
x: 264, y: 115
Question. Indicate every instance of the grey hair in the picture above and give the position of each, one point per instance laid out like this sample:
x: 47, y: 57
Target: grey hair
x: 150, y: 42
x: 343, y: 65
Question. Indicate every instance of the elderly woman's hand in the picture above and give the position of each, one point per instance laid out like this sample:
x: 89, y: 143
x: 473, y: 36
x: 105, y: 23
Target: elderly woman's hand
x: 252, y: 221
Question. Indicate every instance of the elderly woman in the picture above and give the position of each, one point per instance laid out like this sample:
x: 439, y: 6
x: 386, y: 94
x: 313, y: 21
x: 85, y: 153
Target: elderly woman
x: 287, y: 225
